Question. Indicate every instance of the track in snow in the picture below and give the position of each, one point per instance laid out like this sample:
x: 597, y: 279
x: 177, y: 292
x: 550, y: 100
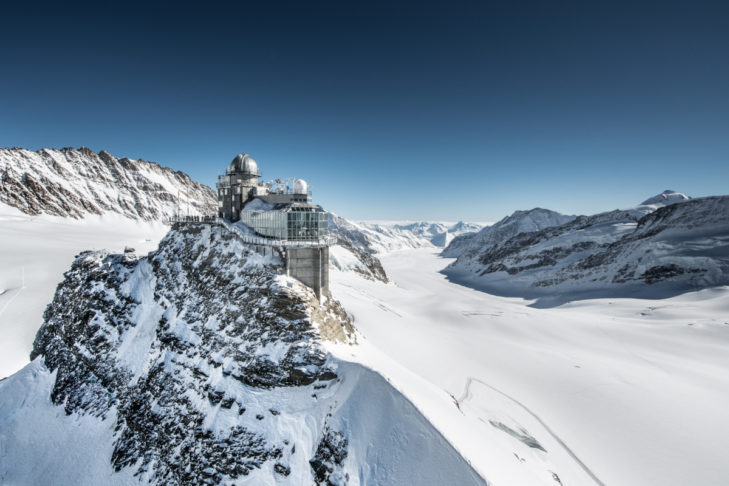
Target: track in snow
x: 467, y: 394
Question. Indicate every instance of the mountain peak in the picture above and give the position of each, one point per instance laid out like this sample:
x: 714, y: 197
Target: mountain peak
x: 666, y: 197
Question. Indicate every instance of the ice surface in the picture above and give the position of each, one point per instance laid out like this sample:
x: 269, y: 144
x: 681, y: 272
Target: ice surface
x: 621, y: 391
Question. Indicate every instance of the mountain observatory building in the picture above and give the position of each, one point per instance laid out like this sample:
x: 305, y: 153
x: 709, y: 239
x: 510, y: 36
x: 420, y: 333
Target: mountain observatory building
x: 279, y: 215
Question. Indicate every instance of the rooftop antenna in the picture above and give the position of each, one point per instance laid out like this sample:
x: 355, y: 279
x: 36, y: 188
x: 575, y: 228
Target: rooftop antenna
x: 289, y: 182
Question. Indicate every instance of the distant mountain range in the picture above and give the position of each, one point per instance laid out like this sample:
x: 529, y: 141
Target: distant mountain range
x: 666, y: 245
x: 359, y: 242
x: 75, y: 183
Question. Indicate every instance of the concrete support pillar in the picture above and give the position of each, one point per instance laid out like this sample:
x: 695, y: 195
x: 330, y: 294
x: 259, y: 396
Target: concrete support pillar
x: 310, y: 266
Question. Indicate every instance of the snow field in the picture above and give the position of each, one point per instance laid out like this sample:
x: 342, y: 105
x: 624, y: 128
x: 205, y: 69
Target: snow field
x: 617, y: 391
x: 34, y: 254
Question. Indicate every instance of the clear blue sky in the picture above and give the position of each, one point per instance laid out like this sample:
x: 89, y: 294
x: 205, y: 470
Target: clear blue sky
x: 391, y: 111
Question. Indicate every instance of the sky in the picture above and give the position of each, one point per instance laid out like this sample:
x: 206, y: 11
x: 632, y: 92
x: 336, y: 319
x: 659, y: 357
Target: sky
x: 390, y: 110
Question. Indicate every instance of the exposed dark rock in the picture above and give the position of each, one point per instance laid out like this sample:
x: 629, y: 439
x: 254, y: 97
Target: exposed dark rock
x: 329, y: 457
x: 78, y: 182
x: 192, y: 309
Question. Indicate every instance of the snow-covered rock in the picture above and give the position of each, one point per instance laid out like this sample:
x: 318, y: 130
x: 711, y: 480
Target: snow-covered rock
x: 520, y: 222
x: 203, y: 364
x: 353, y: 252
x: 79, y: 182
x: 641, y: 251
x: 35, y: 251
x: 665, y: 198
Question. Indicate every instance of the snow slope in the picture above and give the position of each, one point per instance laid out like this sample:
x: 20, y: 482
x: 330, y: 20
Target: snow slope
x: 203, y: 364
x: 653, y: 250
x: 618, y: 391
x: 79, y: 182
x: 35, y: 251
x: 57, y: 203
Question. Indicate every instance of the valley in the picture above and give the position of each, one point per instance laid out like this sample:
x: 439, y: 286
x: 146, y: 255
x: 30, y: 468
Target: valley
x: 617, y: 391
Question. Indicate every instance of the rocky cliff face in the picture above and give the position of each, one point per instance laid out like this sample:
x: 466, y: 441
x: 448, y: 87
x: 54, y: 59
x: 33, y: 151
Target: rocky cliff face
x: 78, y: 182
x: 642, y: 251
x: 353, y: 252
x: 170, y: 339
x: 200, y: 364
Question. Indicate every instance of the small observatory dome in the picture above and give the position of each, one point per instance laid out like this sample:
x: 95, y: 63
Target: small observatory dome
x: 244, y: 163
x: 300, y: 186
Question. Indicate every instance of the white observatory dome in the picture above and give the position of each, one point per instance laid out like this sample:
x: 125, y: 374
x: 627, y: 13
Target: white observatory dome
x: 244, y: 163
x: 300, y: 186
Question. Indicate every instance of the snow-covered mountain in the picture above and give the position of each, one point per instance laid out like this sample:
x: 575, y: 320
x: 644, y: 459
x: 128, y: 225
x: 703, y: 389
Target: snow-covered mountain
x: 386, y: 237
x: 203, y: 364
x: 79, y: 182
x: 520, y: 222
x: 352, y: 253
x: 664, y: 199
x: 360, y: 242
x: 667, y: 245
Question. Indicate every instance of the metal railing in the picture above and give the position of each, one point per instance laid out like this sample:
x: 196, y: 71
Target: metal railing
x: 181, y: 218
x: 254, y: 239
x: 260, y: 240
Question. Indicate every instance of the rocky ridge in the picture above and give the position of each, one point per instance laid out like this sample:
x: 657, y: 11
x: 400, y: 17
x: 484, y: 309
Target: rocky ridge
x: 652, y: 250
x: 519, y: 222
x: 76, y: 183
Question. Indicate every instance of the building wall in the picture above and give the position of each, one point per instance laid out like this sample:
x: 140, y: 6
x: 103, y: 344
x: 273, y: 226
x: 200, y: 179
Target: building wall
x: 310, y: 266
x: 234, y: 190
x: 233, y: 199
x: 276, y: 198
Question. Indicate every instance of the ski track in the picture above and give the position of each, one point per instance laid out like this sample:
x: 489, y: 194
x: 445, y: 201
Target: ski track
x: 10, y: 301
x: 467, y: 395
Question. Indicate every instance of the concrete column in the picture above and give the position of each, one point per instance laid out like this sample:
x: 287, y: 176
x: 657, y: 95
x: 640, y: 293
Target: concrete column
x: 310, y: 266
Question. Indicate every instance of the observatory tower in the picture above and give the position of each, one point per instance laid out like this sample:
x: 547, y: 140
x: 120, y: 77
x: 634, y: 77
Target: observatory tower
x: 282, y: 217
x: 238, y: 185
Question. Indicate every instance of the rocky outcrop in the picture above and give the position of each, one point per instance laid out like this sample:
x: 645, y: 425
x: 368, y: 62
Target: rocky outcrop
x: 167, y: 340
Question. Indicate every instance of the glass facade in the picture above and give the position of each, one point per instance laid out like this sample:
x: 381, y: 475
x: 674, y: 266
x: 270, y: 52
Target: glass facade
x: 294, y: 223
